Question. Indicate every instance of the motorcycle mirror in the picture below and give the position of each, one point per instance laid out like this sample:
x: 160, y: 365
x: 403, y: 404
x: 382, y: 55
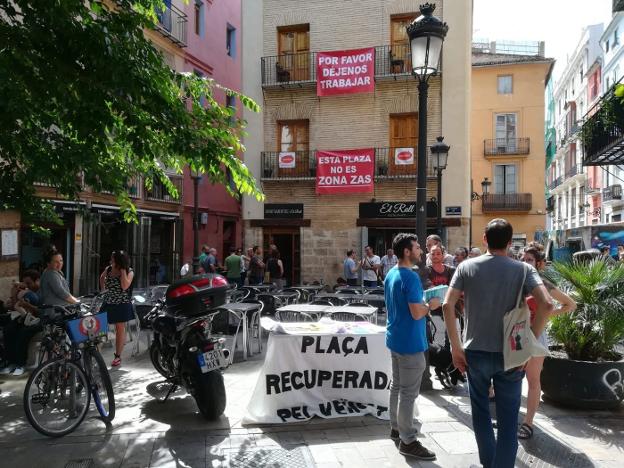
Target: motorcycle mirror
x: 185, y: 269
x: 140, y: 299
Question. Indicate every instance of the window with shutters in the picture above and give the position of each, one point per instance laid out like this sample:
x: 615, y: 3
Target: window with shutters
x: 293, y: 44
x: 505, y: 132
x: 399, y: 54
x: 293, y: 136
x: 403, y: 134
x: 505, y: 84
x: 505, y: 178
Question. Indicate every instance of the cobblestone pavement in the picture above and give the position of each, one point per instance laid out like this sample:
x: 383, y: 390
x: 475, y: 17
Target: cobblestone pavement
x: 146, y: 432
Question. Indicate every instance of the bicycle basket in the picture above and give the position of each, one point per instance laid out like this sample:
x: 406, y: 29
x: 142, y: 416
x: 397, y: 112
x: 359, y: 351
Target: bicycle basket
x: 88, y: 328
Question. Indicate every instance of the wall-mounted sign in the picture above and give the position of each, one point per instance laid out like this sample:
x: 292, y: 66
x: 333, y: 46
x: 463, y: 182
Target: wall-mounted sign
x: 345, y: 72
x: 345, y: 171
x: 286, y: 160
x: 403, y: 156
x: 283, y: 210
x: 395, y: 210
x: 8, y: 244
x: 453, y: 210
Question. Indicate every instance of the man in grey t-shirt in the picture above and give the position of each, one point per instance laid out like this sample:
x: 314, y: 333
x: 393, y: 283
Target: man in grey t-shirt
x: 491, y: 284
x: 350, y: 268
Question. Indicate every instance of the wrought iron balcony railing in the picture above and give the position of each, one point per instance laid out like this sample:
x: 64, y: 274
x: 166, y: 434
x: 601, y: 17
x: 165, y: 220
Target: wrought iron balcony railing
x: 555, y: 183
x: 493, y: 202
x: 304, y: 165
x: 300, y: 68
x: 612, y: 192
x: 550, y: 204
x: 574, y: 170
x: 159, y: 192
x: 504, y: 146
x: 172, y: 23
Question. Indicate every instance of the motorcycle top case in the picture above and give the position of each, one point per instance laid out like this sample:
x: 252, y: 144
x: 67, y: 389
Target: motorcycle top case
x: 196, y: 295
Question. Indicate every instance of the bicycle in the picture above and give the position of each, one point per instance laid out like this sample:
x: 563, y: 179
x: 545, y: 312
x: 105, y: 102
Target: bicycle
x: 58, y: 393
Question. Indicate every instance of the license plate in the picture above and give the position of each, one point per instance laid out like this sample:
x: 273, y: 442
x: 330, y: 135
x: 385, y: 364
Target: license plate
x: 211, y: 360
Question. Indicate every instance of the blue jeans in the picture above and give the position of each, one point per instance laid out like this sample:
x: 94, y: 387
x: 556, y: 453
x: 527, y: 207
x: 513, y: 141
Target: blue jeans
x: 369, y: 284
x: 483, y: 367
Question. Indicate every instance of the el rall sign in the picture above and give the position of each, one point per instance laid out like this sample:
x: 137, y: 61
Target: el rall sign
x: 345, y: 72
x: 345, y: 171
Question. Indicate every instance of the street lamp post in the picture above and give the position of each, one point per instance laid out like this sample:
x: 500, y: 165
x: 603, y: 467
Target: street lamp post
x: 440, y: 152
x: 426, y: 35
x: 196, y: 178
x: 485, y: 185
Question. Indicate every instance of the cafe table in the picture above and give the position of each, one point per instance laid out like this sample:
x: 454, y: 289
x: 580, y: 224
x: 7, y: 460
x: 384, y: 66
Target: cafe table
x: 241, y: 310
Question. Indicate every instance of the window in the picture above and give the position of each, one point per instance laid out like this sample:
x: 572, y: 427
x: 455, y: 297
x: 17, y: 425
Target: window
x: 293, y: 49
x: 607, y: 46
x: 400, y: 56
x: 403, y: 134
x: 505, y: 132
x: 230, y: 41
x: 616, y: 38
x: 581, y: 199
x: 573, y: 200
x: 581, y: 75
x: 293, y: 135
x: 616, y: 218
x: 505, y: 84
x: 198, y: 12
x: 505, y: 178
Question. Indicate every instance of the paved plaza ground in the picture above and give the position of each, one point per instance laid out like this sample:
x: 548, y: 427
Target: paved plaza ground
x: 146, y: 432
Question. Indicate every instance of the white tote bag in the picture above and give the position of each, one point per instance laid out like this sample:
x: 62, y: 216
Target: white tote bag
x: 519, y: 342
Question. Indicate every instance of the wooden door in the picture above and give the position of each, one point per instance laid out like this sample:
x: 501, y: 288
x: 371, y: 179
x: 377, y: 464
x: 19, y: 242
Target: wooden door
x: 403, y: 134
x: 294, y: 136
x: 287, y: 241
x: 294, y: 52
x: 400, y: 55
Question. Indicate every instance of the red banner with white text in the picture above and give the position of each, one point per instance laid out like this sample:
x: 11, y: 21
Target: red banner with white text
x: 345, y: 72
x: 345, y: 171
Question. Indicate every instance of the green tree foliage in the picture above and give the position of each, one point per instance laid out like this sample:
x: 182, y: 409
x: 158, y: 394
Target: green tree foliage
x: 84, y: 93
x: 595, y: 328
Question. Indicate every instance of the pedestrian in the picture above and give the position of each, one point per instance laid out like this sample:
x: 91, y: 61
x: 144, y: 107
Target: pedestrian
x: 210, y: 263
x: 620, y: 248
x: 350, y: 267
x: 388, y: 261
x: 53, y: 287
x: 370, y: 265
x: 204, y: 253
x: 438, y: 274
x: 275, y: 267
x: 18, y: 332
x: 491, y: 285
x: 474, y: 252
x: 432, y: 240
x: 245, y: 259
x: 534, y: 256
x: 116, y: 282
x: 461, y: 254
x: 605, y: 252
x: 406, y: 338
x: 256, y: 267
x: 233, y: 268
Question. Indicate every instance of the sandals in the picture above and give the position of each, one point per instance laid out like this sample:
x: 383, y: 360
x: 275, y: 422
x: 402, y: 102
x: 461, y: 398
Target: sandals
x: 117, y: 361
x: 525, y: 431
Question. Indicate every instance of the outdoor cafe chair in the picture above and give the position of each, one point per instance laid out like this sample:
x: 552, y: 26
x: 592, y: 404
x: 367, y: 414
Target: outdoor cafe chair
x: 334, y: 301
x: 239, y: 295
x: 293, y: 316
x: 348, y: 291
x: 345, y: 316
x: 297, y: 293
x: 271, y: 303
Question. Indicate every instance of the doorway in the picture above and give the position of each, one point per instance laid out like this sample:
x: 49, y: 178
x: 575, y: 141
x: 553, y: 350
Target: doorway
x: 287, y: 241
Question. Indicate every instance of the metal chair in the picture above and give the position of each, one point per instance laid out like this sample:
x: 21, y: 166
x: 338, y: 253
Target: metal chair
x: 326, y: 302
x: 239, y: 295
x: 297, y: 293
x: 345, y: 316
x: 348, y: 291
x: 270, y: 302
x: 293, y: 316
x: 254, y: 324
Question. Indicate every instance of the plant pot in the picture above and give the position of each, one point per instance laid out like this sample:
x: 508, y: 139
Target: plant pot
x: 583, y: 384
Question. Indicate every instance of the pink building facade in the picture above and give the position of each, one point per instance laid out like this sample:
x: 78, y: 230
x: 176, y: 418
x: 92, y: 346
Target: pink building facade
x: 214, y: 51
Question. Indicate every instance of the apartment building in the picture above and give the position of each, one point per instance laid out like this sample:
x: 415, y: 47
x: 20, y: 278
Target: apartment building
x: 573, y: 190
x: 507, y: 152
x: 313, y: 213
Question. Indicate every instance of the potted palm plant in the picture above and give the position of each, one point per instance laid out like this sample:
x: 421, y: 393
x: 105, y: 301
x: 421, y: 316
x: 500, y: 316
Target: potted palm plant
x: 586, y: 368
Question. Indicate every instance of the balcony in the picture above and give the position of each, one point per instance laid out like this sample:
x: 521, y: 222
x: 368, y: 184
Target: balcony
x: 506, y: 146
x: 550, y: 204
x: 305, y: 166
x: 172, y: 24
x: 613, y: 192
x: 299, y: 69
x: 574, y: 170
x: 496, y: 202
x: 159, y: 192
x: 555, y: 183
x: 603, y: 132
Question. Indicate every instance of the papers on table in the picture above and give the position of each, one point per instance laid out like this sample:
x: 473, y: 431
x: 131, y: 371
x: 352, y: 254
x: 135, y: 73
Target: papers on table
x: 436, y: 291
x: 324, y: 326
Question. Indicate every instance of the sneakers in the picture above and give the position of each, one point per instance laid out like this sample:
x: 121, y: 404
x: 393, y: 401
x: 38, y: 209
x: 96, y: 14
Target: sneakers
x: 394, y: 435
x: 416, y: 450
x: 7, y: 370
x: 117, y: 361
x: 17, y: 372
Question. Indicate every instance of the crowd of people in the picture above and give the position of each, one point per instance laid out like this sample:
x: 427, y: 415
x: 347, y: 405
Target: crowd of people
x: 476, y: 341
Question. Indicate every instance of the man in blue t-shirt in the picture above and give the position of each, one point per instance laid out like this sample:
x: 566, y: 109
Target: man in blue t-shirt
x: 406, y: 338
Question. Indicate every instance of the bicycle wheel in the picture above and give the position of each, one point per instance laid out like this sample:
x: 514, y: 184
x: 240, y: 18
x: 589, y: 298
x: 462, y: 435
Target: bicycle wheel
x: 56, y: 397
x: 100, y: 382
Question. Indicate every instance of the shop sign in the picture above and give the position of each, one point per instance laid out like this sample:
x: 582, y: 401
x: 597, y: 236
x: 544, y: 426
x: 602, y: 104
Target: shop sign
x: 395, y: 210
x: 287, y: 160
x: 283, y: 210
x: 453, y: 210
x: 403, y: 156
x: 345, y: 72
x: 345, y: 171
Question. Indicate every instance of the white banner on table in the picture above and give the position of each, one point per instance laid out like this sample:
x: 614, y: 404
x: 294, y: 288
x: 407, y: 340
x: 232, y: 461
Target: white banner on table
x: 330, y: 376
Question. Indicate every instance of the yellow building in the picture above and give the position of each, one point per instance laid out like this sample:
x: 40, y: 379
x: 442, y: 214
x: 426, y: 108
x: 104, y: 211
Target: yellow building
x: 507, y: 138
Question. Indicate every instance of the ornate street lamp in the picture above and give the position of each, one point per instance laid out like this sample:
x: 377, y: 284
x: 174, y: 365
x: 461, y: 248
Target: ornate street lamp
x: 426, y: 35
x: 485, y: 185
x: 439, y: 150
